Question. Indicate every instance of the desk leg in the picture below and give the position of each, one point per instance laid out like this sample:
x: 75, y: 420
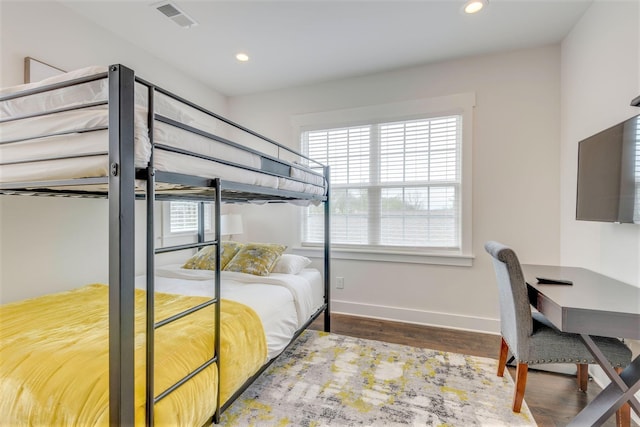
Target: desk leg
x: 621, y: 389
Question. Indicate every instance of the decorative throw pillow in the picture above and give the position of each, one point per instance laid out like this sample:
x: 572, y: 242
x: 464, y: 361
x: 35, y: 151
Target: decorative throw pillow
x: 205, y: 259
x: 256, y: 258
x: 290, y: 264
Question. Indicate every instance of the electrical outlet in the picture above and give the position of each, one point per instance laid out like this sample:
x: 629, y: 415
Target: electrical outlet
x: 339, y: 282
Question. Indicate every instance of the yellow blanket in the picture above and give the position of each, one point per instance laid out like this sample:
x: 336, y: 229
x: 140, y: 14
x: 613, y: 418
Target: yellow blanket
x: 54, y: 358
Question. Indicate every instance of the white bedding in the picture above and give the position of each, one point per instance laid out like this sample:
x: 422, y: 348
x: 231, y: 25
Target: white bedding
x: 90, y: 92
x: 284, y: 302
x: 33, y: 144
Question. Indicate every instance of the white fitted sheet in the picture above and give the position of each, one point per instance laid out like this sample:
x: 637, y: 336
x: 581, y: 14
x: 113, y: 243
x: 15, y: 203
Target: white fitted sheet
x: 284, y: 302
x: 35, y: 146
x: 97, y: 166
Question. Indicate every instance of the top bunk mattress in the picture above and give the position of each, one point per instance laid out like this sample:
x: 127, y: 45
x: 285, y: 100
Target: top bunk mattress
x: 62, y: 134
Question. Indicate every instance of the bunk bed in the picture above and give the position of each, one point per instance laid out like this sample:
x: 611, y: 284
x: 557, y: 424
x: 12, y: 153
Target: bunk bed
x: 105, y: 132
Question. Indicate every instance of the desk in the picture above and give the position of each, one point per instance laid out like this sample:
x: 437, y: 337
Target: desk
x: 593, y: 305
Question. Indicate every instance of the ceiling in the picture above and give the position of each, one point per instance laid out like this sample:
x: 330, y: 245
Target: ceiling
x: 300, y: 42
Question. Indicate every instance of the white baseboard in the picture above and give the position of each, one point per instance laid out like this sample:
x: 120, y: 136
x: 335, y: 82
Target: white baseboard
x: 418, y: 317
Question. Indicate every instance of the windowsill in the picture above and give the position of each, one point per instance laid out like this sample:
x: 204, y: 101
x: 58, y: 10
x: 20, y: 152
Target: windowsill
x: 457, y: 260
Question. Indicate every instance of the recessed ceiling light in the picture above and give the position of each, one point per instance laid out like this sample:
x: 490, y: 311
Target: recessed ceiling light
x: 474, y: 6
x: 242, y: 57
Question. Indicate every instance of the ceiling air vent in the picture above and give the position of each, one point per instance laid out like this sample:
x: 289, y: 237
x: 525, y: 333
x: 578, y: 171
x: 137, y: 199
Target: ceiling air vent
x: 171, y: 11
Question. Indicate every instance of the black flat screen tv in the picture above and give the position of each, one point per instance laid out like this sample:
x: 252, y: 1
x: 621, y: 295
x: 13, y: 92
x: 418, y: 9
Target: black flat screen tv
x: 609, y: 174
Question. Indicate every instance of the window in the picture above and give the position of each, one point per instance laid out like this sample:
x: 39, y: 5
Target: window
x: 183, y: 217
x: 178, y: 225
x: 397, y: 184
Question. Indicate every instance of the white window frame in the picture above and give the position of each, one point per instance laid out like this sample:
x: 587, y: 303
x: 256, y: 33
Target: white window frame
x: 457, y: 104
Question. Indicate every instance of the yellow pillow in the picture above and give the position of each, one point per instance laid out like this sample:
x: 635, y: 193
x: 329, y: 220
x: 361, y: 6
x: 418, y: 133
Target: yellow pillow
x: 256, y: 258
x: 205, y: 259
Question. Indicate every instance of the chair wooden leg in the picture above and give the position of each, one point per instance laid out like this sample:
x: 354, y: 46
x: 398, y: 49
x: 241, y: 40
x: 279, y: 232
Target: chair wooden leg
x: 582, y: 376
x: 502, y: 360
x: 521, y: 383
x: 623, y: 414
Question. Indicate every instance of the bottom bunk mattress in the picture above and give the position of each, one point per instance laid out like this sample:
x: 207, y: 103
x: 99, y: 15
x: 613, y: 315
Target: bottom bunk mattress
x: 284, y: 302
x: 55, y: 357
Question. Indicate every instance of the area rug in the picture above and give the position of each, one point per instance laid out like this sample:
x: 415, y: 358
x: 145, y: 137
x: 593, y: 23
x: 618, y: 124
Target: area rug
x: 333, y: 380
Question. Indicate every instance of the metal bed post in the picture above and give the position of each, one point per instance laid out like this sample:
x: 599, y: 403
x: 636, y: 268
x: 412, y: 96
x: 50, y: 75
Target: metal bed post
x: 121, y: 246
x: 327, y: 253
x: 151, y: 257
x: 216, y: 343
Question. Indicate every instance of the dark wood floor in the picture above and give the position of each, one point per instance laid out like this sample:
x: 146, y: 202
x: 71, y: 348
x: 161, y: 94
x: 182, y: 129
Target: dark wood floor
x: 553, y: 399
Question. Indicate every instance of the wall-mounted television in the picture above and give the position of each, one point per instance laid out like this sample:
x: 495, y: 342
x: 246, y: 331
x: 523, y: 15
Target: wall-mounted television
x: 609, y: 174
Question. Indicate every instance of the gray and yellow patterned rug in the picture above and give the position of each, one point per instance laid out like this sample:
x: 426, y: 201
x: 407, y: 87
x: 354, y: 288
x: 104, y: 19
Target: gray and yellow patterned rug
x: 333, y: 380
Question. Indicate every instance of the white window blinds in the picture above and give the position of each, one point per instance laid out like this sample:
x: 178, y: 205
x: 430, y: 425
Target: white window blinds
x: 183, y: 217
x: 393, y: 184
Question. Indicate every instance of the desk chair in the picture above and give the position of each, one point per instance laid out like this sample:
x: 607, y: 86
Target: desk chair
x: 532, y: 339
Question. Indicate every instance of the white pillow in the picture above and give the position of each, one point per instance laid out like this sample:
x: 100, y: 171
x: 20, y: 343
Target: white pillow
x: 290, y: 264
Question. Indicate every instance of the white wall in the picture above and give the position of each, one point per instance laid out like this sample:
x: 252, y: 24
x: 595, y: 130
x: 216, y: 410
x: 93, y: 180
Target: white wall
x: 48, y: 244
x: 515, y: 137
x: 600, y: 77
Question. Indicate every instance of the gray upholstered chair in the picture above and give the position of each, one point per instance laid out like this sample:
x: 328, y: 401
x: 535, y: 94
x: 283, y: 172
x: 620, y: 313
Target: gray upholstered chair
x: 532, y: 339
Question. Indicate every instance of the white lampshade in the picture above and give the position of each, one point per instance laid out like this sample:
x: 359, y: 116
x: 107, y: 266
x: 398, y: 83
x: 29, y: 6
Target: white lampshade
x: 231, y: 224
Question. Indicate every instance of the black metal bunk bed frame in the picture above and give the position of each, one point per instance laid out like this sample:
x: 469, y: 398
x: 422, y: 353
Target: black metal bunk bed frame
x: 122, y: 195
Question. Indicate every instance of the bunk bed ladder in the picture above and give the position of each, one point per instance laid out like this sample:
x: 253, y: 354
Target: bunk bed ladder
x: 152, y: 325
